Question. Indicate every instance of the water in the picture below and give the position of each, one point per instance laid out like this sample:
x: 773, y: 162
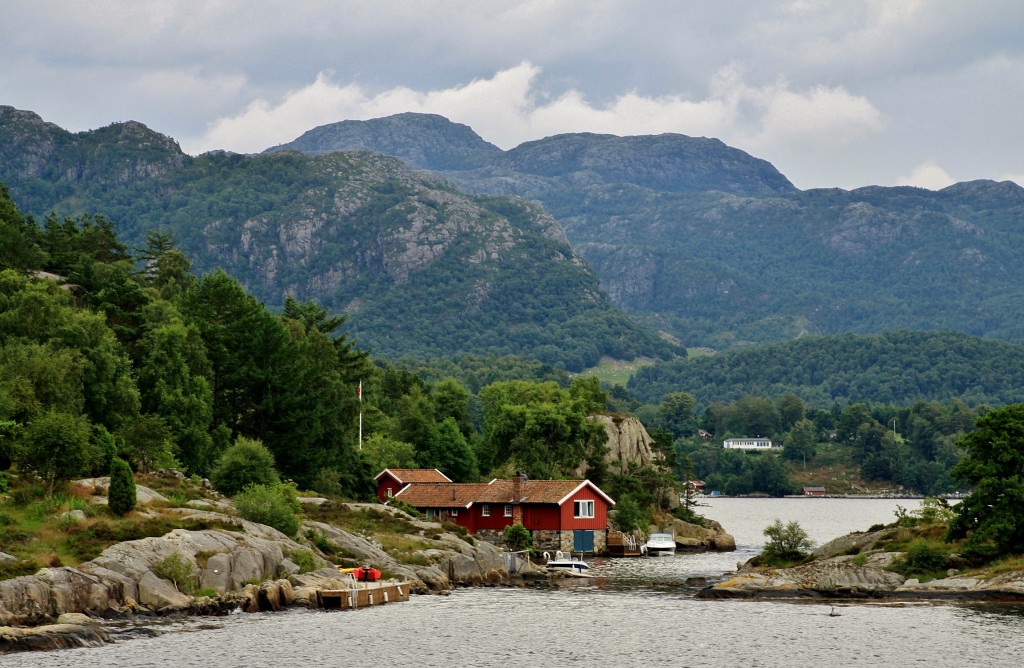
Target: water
x: 637, y: 612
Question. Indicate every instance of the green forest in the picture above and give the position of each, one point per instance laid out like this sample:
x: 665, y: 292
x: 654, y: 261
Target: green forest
x: 113, y: 353
x: 116, y: 359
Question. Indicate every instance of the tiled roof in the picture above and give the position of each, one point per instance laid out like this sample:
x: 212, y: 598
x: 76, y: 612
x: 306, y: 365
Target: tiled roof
x: 407, y: 476
x: 461, y: 495
x: 439, y: 495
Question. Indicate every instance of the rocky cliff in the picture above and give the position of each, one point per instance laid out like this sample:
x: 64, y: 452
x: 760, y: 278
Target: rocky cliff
x: 628, y: 443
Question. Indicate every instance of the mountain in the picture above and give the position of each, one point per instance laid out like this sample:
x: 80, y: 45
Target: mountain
x: 896, y: 368
x: 424, y: 141
x: 421, y: 268
x: 718, y: 248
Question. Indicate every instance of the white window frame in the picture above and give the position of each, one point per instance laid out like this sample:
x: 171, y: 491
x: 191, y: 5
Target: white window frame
x: 454, y: 512
x: 508, y: 510
x: 391, y: 492
x: 485, y: 511
x: 583, y: 509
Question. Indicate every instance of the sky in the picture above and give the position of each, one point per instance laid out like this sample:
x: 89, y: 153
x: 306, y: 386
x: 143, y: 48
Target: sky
x: 842, y: 93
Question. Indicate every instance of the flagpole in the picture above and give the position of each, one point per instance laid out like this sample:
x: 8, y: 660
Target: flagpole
x: 360, y: 391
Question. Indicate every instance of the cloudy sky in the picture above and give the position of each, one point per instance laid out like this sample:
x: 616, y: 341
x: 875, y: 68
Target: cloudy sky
x: 834, y: 93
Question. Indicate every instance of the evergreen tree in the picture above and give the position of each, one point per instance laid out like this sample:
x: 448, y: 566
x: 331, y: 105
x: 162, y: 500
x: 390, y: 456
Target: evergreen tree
x: 121, y: 494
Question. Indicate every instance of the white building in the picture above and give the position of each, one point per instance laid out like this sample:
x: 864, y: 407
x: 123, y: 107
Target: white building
x: 748, y: 444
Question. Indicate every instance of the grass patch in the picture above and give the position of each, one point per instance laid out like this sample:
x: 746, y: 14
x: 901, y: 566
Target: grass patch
x: 365, y: 521
x: 616, y: 372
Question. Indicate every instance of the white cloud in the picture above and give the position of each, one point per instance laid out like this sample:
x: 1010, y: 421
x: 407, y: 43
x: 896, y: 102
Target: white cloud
x: 507, y: 109
x: 927, y: 175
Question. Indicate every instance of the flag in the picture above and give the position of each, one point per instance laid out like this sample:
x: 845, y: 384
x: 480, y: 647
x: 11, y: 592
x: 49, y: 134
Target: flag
x: 359, y: 391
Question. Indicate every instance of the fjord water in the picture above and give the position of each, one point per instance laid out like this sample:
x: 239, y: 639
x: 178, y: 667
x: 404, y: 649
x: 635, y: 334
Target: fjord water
x: 636, y: 612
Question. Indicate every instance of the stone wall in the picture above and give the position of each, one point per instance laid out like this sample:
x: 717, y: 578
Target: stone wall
x: 548, y: 540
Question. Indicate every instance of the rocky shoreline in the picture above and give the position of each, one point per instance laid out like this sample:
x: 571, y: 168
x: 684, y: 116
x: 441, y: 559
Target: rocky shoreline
x: 252, y: 568
x: 853, y: 568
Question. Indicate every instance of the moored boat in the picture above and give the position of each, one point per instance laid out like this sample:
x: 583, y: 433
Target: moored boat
x: 565, y: 561
x: 661, y: 544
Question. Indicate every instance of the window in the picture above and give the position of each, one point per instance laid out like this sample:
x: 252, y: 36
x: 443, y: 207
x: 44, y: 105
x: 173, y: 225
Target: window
x: 391, y: 492
x: 508, y: 511
x: 485, y: 511
x: 582, y: 509
x: 454, y: 512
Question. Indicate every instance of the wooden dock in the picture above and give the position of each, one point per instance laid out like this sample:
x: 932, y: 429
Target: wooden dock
x: 623, y: 544
x: 363, y: 594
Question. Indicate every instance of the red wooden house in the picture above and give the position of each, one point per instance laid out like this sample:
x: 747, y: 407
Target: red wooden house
x: 560, y: 514
x: 391, y: 481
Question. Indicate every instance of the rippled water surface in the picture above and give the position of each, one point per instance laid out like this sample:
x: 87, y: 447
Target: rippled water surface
x: 636, y: 612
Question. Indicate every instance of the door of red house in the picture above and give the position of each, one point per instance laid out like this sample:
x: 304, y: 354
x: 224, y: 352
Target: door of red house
x: 582, y: 540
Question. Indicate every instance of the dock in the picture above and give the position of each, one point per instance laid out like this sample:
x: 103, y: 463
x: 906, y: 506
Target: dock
x: 623, y: 544
x: 363, y: 594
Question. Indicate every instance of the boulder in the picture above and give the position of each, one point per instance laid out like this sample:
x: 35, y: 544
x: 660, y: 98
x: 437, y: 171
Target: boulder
x: 52, y: 636
x: 160, y: 595
x: 217, y: 573
x: 724, y: 542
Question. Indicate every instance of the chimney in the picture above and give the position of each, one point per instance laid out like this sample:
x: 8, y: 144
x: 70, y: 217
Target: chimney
x: 518, y: 487
x: 518, y: 492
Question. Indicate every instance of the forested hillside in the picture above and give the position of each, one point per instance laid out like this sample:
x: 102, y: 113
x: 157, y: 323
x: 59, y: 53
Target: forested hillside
x: 422, y: 269
x: 898, y: 368
x: 108, y: 352
x: 719, y: 249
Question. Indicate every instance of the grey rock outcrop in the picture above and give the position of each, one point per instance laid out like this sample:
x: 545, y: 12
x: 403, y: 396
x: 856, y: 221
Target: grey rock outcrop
x: 450, y: 560
x: 125, y: 578
x: 628, y: 443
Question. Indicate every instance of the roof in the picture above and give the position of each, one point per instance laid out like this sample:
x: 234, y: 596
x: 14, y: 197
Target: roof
x: 462, y: 495
x: 439, y: 495
x: 406, y: 476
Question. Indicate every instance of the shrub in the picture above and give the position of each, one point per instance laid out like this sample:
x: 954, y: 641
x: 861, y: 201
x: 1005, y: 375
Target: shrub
x: 517, y: 537
x: 275, y: 506
x: 121, y: 495
x: 786, y: 543
x: 247, y: 462
x: 320, y: 541
x: 17, y: 568
x: 5, y: 483
x: 304, y: 559
x: 628, y: 515
x: 405, y: 508
x: 178, y: 570
x: 689, y: 515
x: 327, y: 482
x: 922, y: 558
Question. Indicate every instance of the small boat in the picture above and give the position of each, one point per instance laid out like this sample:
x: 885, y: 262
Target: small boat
x: 661, y: 543
x: 565, y: 561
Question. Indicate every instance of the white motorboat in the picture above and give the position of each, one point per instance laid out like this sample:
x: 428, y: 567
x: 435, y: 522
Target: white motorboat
x: 661, y: 543
x: 565, y: 561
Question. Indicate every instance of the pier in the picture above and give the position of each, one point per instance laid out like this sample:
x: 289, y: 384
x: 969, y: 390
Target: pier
x: 363, y: 594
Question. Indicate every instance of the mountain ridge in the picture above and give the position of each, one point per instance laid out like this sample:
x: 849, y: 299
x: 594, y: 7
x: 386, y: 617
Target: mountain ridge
x: 717, y: 248
x: 421, y: 268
